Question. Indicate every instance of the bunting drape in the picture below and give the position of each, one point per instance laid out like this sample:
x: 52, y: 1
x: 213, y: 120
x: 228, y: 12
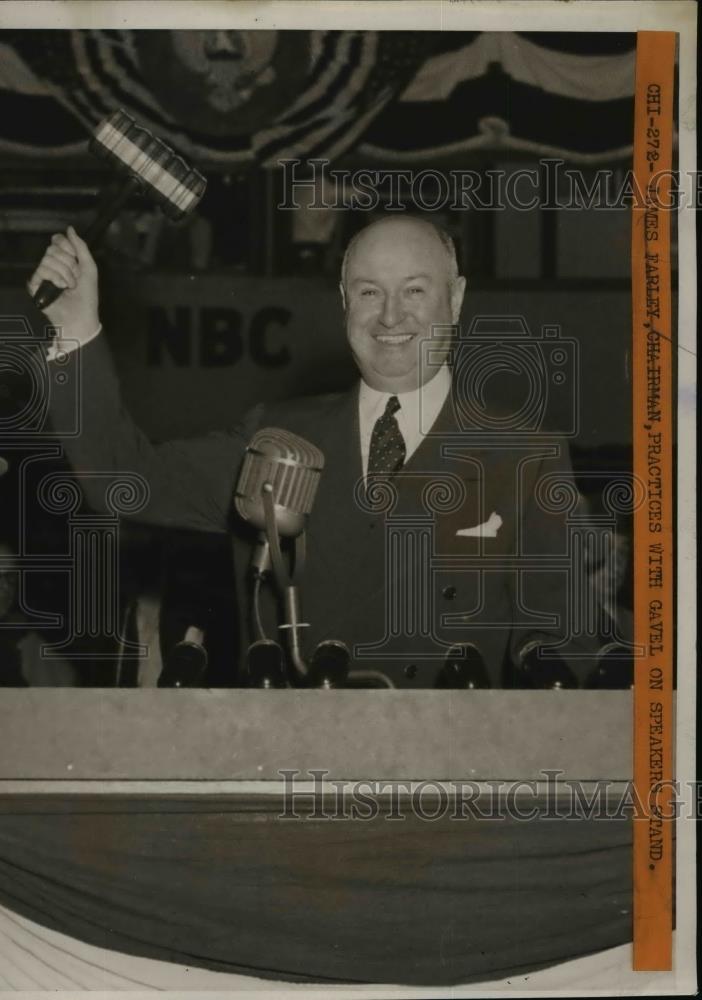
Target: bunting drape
x: 232, y: 98
x: 231, y: 886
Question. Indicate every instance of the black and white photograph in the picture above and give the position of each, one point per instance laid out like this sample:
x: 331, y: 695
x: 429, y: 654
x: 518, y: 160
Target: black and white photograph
x: 347, y: 582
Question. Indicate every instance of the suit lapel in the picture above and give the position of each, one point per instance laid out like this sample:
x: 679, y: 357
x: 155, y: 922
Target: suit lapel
x: 337, y: 519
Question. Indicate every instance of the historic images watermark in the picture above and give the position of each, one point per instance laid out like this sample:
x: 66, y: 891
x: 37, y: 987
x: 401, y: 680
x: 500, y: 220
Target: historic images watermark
x: 312, y: 795
x: 32, y: 442
x: 587, y: 550
x: 549, y: 185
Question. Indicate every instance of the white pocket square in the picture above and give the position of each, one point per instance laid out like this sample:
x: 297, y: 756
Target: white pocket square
x: 488, y: 529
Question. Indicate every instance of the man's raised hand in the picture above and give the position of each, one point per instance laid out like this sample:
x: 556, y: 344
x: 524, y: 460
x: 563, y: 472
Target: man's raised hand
x: 69, y: 264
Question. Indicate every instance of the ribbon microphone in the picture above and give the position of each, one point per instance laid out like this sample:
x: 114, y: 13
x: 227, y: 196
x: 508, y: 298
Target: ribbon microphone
x: 275, y: 493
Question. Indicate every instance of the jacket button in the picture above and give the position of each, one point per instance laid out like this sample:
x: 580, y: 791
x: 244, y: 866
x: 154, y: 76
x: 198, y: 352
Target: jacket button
x: 449, y: 593
x: 411, y: 670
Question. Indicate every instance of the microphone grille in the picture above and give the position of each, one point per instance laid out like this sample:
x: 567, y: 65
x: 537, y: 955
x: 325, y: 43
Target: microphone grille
x: 291, y: 466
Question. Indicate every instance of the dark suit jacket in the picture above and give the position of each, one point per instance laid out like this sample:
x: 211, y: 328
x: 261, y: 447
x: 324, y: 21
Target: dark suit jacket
x: 398, y: 586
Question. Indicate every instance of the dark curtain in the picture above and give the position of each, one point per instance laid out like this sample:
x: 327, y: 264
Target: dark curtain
x: 227, y: 884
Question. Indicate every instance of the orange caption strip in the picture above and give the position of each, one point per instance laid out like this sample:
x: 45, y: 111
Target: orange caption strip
x: 654, y: 618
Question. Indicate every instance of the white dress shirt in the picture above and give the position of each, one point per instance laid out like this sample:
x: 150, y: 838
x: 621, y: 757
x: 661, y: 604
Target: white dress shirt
x: 59, y: 346
x: 415, y: 418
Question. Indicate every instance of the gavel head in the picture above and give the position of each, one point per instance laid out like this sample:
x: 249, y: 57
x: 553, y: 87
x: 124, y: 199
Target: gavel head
x: 133, y: 150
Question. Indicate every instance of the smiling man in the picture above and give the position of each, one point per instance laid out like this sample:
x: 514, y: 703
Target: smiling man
x: 384, y: 578
x: 400, y: 285
x: 399, y: 280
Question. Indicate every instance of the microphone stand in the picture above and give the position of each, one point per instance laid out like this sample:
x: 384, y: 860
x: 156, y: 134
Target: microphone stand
x: 287, y: 582
x: 265, y: 660
x: 330, y: 661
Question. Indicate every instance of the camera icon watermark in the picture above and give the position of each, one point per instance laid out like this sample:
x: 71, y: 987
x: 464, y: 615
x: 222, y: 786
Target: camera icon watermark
x: 506, y: 380
x: 33, y: 384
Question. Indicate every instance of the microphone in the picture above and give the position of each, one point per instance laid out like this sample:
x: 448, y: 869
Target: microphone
x: 275, y: 493
x: 614, y: 670
x: 264, y: 665
x: 10, y: 664
x: 144, y: 162
x: 464, y: 668
x: 534, y: 672
x: 288, y: 468
x: 186, y: 664
x: 330, y: 664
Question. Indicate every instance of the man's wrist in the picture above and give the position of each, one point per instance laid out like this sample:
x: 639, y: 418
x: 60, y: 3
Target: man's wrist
x: 60, y: 346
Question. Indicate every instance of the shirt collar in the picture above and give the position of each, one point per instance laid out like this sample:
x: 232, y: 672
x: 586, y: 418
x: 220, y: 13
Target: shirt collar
x: 419, y: 407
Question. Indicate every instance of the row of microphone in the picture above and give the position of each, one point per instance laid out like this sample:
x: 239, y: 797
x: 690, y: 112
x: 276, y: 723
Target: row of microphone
x: 266, y: 666
x: 330, y: 667
x: 275, y: 492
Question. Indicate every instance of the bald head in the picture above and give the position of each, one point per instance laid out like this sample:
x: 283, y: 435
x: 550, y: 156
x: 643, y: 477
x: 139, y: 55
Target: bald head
x: 400, y: 287
x: 403, y: 227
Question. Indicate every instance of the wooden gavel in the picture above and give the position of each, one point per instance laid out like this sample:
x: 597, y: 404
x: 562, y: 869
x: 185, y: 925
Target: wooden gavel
x: 145, y: 163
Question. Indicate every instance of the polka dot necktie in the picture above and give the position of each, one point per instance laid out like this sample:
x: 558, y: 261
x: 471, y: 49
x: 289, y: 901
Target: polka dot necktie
x: 387, y: 445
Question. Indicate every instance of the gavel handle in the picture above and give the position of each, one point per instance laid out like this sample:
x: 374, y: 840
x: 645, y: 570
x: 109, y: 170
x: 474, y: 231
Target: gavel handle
x: 48, y: 292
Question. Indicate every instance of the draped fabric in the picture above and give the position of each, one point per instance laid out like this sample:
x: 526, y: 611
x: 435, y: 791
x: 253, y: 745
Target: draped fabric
x: 231, y: 98
x: 32, y: 957
x: 227, y: 884
x: 544, y: 94
x: 223, y: 97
